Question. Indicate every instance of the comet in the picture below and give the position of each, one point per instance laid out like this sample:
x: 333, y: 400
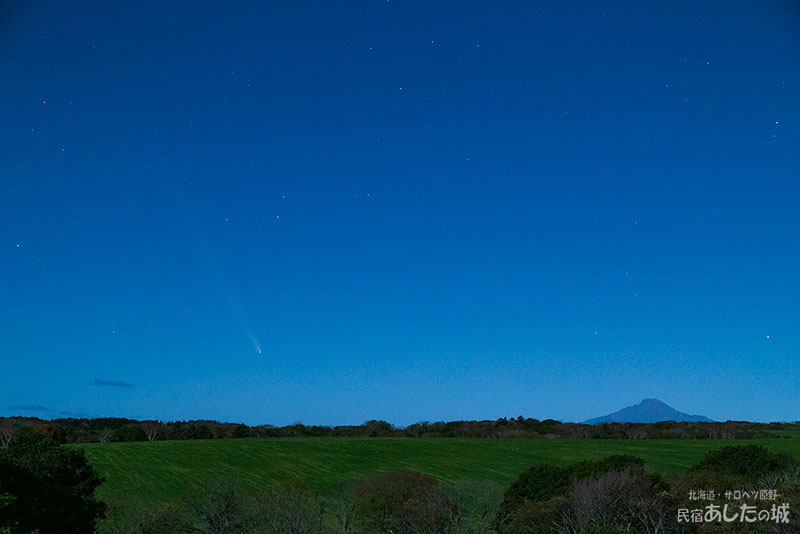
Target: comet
x: 256, y: 344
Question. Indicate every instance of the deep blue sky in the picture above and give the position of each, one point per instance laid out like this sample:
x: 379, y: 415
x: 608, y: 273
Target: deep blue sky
x: 329, y: 212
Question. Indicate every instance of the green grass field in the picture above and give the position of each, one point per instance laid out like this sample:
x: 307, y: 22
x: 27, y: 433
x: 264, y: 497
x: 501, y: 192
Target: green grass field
x: 144, y: 472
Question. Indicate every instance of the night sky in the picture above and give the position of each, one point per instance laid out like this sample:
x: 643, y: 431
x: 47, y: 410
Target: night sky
x: 330, y: 212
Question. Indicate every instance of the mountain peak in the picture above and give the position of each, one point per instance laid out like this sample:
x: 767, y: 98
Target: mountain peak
x: 648, y: 411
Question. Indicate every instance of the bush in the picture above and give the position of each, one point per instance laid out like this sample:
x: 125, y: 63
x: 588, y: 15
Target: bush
x: 167, y: 518
x: 536, y: 517
x: 539, y: 497
x: 743, y: 460
x: 617, y: 501
x: 290, y: 509
x: 220, y: 508
x: 543, y: 482
x: 538, y: 484
x: 615, y: 463
x: 404, y: 503
x: 473, y: 505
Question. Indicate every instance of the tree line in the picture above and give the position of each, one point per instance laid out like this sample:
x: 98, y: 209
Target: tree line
x: 72, y: 430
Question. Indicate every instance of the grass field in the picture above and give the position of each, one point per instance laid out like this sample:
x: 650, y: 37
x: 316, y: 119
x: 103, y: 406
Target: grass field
x: 146, y: 472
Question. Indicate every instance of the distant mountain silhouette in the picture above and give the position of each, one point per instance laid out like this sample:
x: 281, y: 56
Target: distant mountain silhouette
x: 647, y: 411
